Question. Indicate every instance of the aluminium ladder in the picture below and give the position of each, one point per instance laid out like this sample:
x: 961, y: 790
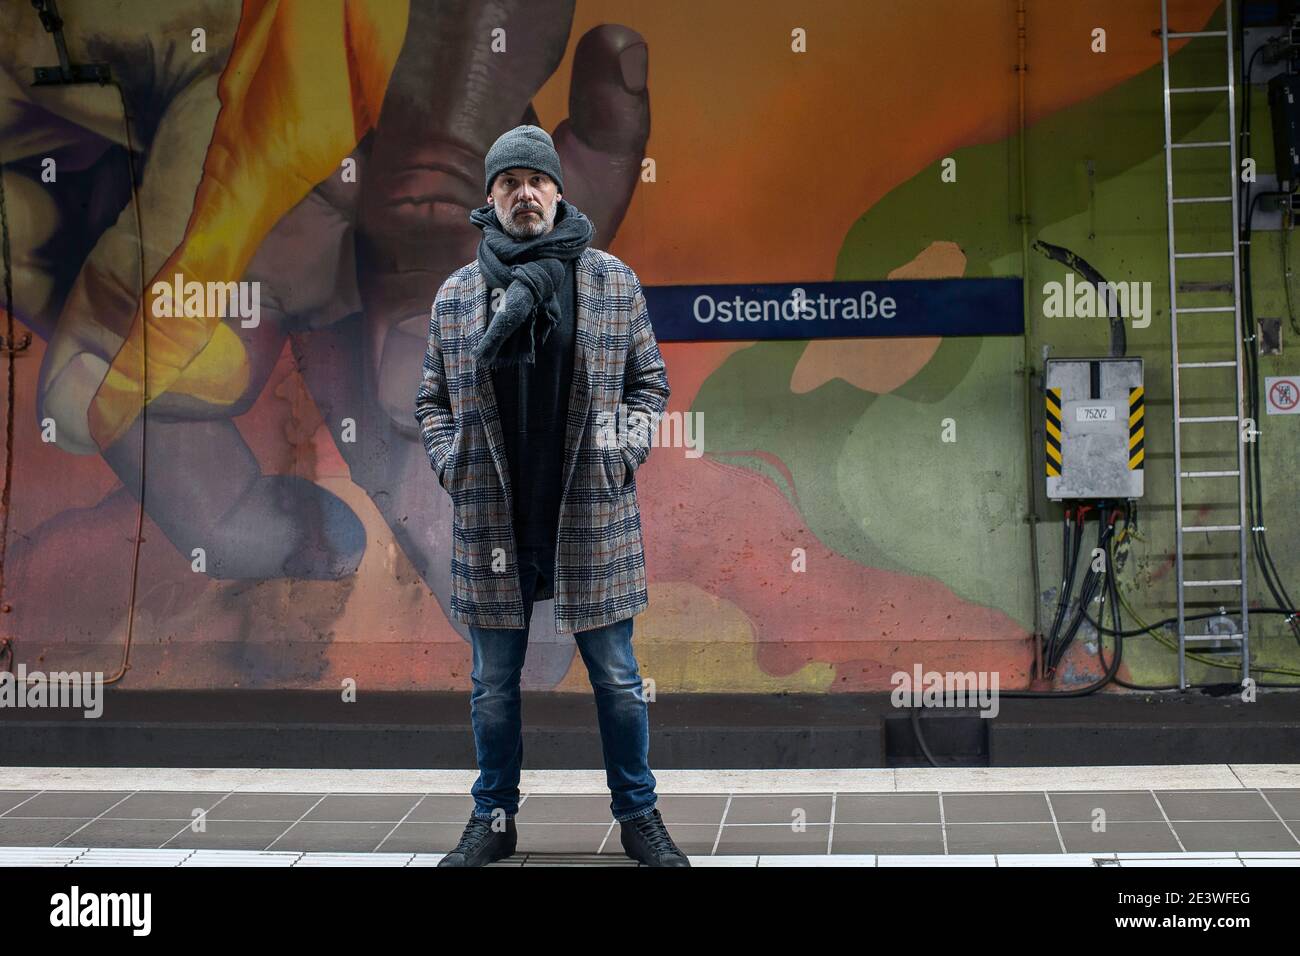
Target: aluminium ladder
x: 1207, y: 487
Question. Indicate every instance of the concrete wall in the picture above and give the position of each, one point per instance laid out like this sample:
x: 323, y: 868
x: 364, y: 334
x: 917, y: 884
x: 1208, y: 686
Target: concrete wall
x: 287, y: 452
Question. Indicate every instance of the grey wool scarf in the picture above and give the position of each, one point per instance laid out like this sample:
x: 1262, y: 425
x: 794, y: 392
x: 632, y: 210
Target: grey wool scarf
x: 530, y: 270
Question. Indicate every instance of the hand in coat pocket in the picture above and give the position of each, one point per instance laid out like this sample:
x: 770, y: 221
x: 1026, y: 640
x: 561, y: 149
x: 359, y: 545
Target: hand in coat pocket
x: 616, y: 468
x: 451, y: 469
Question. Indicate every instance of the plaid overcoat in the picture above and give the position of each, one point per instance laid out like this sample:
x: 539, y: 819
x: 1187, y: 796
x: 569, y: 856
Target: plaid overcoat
x: 600, y: 574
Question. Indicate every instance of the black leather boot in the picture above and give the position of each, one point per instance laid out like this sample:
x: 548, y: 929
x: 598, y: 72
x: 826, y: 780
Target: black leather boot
x: 480, y: 844
x: 646, y: 839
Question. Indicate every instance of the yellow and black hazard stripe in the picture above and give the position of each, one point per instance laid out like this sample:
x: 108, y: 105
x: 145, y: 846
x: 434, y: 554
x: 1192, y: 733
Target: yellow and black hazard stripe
x: 1136, y: 431
x: 1053, y: 443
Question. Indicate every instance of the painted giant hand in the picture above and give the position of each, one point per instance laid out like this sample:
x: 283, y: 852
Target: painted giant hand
x: 347, y: 269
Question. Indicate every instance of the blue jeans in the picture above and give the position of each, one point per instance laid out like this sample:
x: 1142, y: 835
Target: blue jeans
x: 621, y: 709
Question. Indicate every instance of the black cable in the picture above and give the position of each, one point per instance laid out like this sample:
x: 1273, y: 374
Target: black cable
x: 1112, y: 587
x: 1117, y: 629
x: 10, y: 348
x: 1250, y: 370
x: 1118, y: 632
x: 920, y: 738
x: 1063, y: 596
x: 1096, y: 578
x: 1284, y: 256
x: 1254, y: 471
x: 1138, y: 632
x: 1087, y: 592
x: 1110, y: 671
x: 1105, y: 532
x: 1050, y: 654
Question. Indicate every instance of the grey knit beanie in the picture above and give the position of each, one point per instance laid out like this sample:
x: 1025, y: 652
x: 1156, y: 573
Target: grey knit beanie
x: 526, y: 146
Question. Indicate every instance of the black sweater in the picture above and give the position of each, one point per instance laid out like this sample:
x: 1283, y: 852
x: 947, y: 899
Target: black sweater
x: 533, y: 401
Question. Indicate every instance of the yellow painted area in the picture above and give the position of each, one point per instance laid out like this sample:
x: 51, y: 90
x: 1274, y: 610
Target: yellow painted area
x: 1136, y: 429
x: 304, y: 82
x: 1052, y: 425
x: 716, y: 656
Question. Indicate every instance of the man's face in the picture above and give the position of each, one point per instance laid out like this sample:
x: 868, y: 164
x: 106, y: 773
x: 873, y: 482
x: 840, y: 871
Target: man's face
x: 526, y: 201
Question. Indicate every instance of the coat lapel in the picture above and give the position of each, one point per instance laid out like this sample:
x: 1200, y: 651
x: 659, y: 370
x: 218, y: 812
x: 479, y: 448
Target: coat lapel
x: 590, y: 304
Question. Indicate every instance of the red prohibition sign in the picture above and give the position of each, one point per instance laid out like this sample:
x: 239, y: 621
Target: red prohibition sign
x: 1285, y: 394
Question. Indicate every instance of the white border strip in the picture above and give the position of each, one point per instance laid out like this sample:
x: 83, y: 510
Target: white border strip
x: 902, y: 780
x: 102, y: 856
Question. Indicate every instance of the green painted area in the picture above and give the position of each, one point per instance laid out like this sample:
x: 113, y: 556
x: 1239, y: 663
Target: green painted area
x: 874, y: 477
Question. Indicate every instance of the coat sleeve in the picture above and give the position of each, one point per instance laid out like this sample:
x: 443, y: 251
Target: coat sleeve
x: 645, y: 382
x: 432, y: 401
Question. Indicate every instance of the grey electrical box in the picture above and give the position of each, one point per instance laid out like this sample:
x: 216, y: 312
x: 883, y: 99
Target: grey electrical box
x: 1094, y: 434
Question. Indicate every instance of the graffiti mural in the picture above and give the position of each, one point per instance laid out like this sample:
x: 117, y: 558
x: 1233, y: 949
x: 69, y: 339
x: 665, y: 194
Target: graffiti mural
x: 262, y: 514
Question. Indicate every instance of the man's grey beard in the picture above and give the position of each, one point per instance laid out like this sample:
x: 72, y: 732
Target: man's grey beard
x: 528, y: 228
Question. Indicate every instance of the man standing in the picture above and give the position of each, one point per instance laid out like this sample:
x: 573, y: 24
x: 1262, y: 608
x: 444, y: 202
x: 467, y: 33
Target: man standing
x: 541, y: 381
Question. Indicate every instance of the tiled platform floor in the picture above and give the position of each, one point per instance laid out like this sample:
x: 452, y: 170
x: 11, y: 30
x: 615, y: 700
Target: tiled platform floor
x: 750, y: 824
x: 101, y: 857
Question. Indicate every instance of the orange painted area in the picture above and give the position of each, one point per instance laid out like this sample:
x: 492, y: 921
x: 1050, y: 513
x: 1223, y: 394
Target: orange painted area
x: 780, y: 153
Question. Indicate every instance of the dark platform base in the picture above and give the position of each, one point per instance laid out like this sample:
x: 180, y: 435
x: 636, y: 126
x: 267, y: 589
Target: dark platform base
x: 694, y: 731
